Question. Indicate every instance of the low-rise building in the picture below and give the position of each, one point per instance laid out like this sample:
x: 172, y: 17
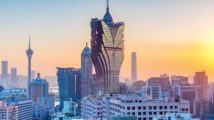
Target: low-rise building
x: 179, y: 80
x: 14, y: 92
x: 18, y: 97
x: 175, y: 116
x: 70, y: 107
x: 107, y: 107
x: 59, y: 116
x: 151, y: 92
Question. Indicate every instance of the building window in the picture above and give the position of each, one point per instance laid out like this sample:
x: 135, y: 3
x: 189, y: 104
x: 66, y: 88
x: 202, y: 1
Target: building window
x: 144, y: 113
x: 150, y: 113
x: 160, y: 107
x: 171, y: 107
x: 144, y: 107
x: 133, y: 113
x: 150, y: 107
x: 155, y: 107
x: 165, y: 107
x: 176, y: 107
x: 139, y: 113
x: 155, y: 113
x: 128, y: 108
x: 133, y: 108
x: 139, y: 108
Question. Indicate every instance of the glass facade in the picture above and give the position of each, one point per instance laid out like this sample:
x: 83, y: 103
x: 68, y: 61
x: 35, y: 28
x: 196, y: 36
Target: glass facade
x: 107, y: 55
x: 69, y: 82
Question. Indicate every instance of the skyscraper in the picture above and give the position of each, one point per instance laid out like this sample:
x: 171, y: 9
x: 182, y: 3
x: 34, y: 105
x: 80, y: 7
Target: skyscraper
x: 69, y: 82
x: 13, y: 77
x: 107, y: 51
x: 4, y: 74
x: 201, y: 80
x: 29, y: 53
x: 43, y: 102
x: 38, y: 88
x: 134, y: 67
x: 86, y: 69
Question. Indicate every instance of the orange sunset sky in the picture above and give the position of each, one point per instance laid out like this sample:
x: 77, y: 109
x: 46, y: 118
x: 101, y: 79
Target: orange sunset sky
x: 173, y: 37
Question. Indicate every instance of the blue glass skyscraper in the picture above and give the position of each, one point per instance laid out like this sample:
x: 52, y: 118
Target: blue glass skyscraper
x: 69, y: 82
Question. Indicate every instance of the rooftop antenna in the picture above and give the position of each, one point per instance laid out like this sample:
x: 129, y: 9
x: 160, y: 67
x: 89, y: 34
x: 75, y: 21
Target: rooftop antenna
x: 29, y: 42
x: 107, y: 5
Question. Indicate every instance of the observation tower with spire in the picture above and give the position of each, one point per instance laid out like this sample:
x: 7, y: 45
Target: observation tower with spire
x: 29, y: 54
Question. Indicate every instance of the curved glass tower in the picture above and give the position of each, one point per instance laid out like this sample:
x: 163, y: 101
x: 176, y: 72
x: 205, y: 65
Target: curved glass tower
x: 107, y: 45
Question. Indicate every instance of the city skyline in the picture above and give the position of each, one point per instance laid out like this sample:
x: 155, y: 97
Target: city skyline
x: 164, y: 41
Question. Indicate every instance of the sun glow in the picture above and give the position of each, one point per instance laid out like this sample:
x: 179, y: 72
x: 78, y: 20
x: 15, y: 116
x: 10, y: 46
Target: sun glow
x: 209, y: 49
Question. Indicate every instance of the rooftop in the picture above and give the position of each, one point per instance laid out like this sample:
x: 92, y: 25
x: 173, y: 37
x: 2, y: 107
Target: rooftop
x: 86, y: 49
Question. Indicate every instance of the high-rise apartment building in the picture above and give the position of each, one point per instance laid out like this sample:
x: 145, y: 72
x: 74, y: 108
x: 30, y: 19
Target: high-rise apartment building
x: 107, y: 44
x: 201, y: 80
x: 86, y: 69
x: 25, y: 111
x: 38, y: 88
x: 69, y: 82
x: 43, y: 102
x: 134, y: 67
x: 8, y: 111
